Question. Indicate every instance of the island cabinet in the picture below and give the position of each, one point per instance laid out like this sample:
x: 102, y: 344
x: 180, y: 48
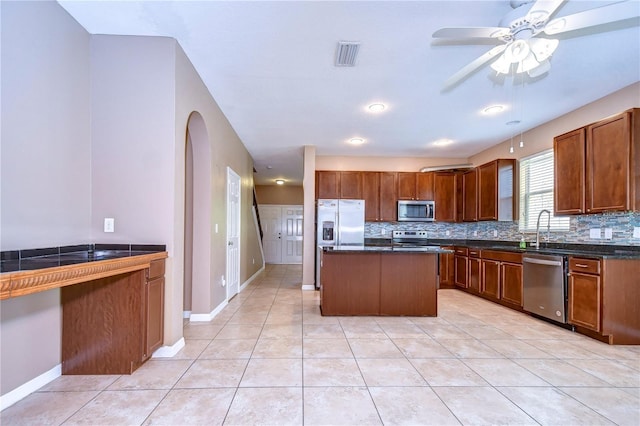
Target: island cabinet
x: 379, y: 194
x: 596, y: 167
x: 445, y: 196
x: 112, y: 325
x: 497, y: 190
x: 469, y: 196
x: 502, y: 276
x: 378, y: 283
x: 460, y: 265
x: 415, y: 186
x: 603, y: 298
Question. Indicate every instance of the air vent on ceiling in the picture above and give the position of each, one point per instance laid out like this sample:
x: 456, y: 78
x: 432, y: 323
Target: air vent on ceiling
x: 346, y: 53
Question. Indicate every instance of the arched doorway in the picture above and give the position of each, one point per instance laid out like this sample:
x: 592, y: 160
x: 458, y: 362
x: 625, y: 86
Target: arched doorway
x: 197, y: 223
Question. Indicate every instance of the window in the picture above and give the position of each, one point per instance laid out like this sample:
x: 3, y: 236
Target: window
x: 536, y: 193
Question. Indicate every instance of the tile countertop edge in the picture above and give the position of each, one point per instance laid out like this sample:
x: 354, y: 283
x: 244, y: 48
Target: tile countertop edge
x: 22, y: 283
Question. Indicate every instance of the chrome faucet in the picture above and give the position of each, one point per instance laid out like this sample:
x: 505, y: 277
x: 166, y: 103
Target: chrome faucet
x: 537, y: 243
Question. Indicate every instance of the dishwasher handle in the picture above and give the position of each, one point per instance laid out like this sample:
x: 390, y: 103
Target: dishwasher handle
x: 542, y: 261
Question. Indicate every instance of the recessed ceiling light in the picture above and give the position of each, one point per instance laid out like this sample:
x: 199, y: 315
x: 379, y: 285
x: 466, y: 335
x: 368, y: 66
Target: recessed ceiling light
x: 356, y: 141
x: 376, y: 107
x: 493, y: 109
x: 442, y: 142
x: 280, y: 181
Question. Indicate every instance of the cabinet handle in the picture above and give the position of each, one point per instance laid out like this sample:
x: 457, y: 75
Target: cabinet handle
x: 580, y: 265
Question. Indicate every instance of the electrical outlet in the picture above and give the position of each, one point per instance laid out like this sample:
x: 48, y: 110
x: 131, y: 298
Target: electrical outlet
x: 475, y: 233
x: 109, y: 224
x: 253, y: 261
x: 636, y: 232
x: 448, y: 233
x: 383, y: 232
x: 495, y: 233
x: 223, y: 283
x: 608, y: 233
x: 594, y: 233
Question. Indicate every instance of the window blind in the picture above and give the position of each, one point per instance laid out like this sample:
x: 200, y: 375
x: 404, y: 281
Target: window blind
x: 536, y: 193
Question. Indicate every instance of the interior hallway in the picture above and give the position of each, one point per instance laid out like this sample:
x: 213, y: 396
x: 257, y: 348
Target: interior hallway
x: 270, y: 358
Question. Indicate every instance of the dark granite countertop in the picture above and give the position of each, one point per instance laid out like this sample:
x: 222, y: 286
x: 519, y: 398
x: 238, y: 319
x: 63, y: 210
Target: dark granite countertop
x: 387, y: 249
x: 32, y: 259
x: 583, y: 250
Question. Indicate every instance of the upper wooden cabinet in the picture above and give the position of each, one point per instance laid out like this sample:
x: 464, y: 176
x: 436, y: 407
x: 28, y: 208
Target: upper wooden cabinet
x: 497, y: 190
x: 470, y: 196
x: 327, y: 184
x: 569, y: 152
x: 351, y: 185
x: 415, y: 186
x: 379, y: 194
x: 596, y: 167
x: 445, y: 196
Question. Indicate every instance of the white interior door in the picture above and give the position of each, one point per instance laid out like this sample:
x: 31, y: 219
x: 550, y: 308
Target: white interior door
x: 292, y: 234
x: 271, y: 220
x: 233, y: 233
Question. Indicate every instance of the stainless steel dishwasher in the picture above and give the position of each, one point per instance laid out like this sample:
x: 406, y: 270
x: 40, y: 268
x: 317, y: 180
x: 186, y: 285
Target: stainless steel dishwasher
x: 545, y: 286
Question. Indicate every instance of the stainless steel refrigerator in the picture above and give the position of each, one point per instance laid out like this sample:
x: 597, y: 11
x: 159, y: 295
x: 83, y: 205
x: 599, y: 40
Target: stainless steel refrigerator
x: 339, y: 222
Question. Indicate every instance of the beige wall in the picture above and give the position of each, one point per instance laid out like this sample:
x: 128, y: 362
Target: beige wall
x: 94, y: 127
x: 383, y: 164
x: 280, y: 194
x: 541, y: 137
x: 45, y: 169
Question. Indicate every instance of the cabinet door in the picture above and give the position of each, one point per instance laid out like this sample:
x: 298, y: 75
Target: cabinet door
x: 608, y: 165
x: 488, y: 191
x: 445, y: 196
x: 425, y: 186
x: 154, y: 297
x: 327, y: 184
x: 459, y: 197
x: 469, y: 196
x: 446, y: 268
x: 474, y: 274
x: 460, y: 271
x: 511, y: 277
x: 388, y: 197
x: 371, y: 195
x: 406, y: 186
x: 350, y: 284
x: 569, y: 172
x: 585, y: 300
x: 351, y: 185
x: 490, y: 279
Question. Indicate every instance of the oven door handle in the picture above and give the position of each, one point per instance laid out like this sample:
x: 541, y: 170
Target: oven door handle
x: 542, y: 261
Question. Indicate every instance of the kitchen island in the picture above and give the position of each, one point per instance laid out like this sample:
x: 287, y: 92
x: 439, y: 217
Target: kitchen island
x: 392, y: 281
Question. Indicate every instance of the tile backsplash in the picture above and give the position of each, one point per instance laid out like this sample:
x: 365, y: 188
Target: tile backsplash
x: 622, y: 225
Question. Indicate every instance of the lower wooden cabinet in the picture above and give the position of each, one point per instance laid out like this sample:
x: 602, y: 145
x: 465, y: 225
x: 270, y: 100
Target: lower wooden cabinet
x: 154, y: 308
x: 460, y: 264
x: 490, y: 279
x: 585, y: 293
x: 511, y: 277
x: 446, y: 268
x: 475, y: 269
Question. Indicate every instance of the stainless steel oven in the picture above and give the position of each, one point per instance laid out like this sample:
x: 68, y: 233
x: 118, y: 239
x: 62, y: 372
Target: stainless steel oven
x: 416, y: 211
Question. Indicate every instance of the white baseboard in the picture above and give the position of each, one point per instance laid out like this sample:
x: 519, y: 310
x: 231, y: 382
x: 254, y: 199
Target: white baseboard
x: 31, y: 386
x: 211, y: 315
x: 169, y: 351
x: 308, y: 287
x: 186, y: 314
x: 251, y: 278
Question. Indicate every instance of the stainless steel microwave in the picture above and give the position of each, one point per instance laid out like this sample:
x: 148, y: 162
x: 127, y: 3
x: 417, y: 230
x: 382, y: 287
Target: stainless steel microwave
x: 416, y: 211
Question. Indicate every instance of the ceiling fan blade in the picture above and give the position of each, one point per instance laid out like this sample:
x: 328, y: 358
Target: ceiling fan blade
x: 589, y: 18
x: 471, y: 32
x: 541, y: 11
x: 471, y: 67
x: 542, y: 68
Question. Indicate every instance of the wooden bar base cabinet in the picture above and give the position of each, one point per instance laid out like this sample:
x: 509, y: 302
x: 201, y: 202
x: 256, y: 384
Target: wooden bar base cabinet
x: 112, y: 325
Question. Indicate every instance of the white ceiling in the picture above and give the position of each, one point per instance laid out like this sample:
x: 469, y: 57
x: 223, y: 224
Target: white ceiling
x: 270, y: 67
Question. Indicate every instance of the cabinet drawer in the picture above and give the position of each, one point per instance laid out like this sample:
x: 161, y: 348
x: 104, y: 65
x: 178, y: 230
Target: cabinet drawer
x: 461, y: 251
x: 474, y: 252
x: 587, y: 266
x: 503, y: 256
x: 156, y: 269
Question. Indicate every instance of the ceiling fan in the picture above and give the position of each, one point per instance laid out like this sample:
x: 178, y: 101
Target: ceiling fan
x: 525, y: 47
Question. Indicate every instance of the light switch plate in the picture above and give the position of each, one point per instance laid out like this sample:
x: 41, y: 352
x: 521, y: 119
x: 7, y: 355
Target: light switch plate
x: 594, y: 233
x: 636, y: 232
x: 608, y: 233
x: 109, y: 224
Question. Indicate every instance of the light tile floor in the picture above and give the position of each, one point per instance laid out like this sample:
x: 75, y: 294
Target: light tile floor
x: 270, y: 358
